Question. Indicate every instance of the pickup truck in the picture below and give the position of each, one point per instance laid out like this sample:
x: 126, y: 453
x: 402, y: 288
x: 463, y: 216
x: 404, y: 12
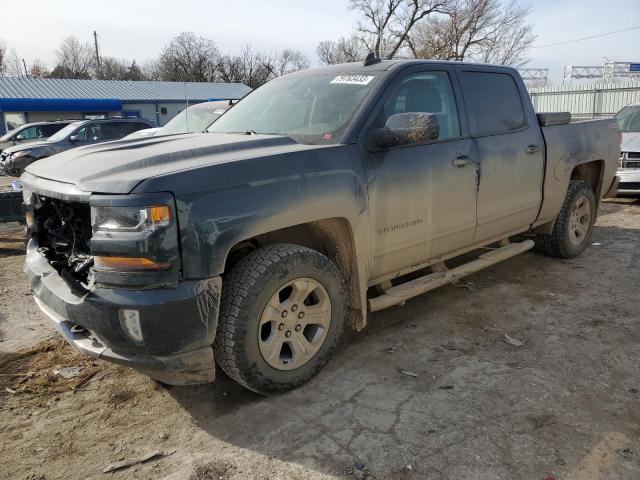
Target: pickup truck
x: 321, y: 196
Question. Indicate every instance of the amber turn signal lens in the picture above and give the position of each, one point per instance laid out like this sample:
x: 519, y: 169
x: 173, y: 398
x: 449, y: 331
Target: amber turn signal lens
x: 129, y: 263
x: 160, y: 214
x: 28, y: 218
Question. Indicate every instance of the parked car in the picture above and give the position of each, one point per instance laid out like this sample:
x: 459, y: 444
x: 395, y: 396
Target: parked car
x: 307, y: 205
x: 13, y: 160
x: 31, y: 132
x: 629, y: 166
x: 193, y: 119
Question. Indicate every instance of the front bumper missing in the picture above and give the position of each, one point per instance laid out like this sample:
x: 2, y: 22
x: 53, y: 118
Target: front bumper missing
x: 179, y: 323
x: 187, y: 368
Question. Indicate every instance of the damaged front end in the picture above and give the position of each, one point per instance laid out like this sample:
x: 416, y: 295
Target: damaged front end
x: 106, y: 270
x: 63, y: 230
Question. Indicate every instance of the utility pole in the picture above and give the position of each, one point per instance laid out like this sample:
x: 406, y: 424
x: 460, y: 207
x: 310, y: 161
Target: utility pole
x: 95, y: 42
x: 26, y: 74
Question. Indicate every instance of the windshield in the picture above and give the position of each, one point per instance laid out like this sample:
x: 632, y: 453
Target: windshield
x: 310, y: 109
x: 62, y: 134
x: 629, y: 119
x: 194, y: 119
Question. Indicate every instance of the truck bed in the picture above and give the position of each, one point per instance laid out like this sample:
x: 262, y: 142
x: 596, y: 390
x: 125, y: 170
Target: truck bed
x: 568, y: 145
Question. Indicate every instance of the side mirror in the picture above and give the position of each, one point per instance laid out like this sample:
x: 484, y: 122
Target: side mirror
x: 19, y: 137
x: 405, y: 129
x: 73, y: 138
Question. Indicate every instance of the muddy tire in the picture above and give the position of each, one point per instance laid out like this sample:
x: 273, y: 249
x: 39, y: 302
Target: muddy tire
x: 573, y: 225
x: 282, y: 314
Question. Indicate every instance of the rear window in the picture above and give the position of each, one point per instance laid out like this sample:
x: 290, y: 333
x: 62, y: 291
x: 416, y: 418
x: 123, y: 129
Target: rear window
x: 493, y: 103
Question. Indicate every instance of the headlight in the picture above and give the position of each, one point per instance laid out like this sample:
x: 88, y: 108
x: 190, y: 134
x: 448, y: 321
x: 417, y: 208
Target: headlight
x: 134, y: 234
x: 21, y: 153
x: 129, y: 219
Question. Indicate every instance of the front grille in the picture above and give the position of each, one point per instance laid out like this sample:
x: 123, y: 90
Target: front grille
x: 629, y: 186
x: 63, y: 230
x: 629, y: 164
x: 633, y: 155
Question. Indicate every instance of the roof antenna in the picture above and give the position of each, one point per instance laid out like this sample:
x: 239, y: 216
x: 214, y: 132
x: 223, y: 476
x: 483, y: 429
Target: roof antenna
x: 370, y: 60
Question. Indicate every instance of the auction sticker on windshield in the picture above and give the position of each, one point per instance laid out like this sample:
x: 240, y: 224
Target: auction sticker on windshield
x: 353, y: 79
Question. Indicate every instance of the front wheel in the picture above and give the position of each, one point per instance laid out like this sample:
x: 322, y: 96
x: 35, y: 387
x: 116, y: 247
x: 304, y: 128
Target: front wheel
x: 282, y: 315
x: 573, y: 225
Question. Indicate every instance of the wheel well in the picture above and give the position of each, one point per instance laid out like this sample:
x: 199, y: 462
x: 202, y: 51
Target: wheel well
x: 332, y: 237
x: 590, y: 172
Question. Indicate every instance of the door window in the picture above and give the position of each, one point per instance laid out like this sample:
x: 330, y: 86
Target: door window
x: 30, y: 133
x: 89, y: 133
x: 493, y: 102
x: 425, y: 92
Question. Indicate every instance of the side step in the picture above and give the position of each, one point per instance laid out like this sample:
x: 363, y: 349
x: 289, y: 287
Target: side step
x: 401, y: 293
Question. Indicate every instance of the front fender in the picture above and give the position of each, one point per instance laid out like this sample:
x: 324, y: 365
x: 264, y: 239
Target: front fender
x: 224, y: 204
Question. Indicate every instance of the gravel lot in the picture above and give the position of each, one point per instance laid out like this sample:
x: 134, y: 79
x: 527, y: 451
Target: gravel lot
x: 564, y: 405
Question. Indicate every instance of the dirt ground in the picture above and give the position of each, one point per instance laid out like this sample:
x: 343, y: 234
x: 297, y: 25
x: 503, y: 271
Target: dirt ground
x: 564, y: 405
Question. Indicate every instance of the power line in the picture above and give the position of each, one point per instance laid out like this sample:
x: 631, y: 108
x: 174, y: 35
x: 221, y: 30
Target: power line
x: 585, y: 38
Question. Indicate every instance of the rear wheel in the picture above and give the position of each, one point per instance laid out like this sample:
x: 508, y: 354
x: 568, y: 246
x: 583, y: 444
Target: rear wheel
x: 573, y: 225
x: 282, y: 315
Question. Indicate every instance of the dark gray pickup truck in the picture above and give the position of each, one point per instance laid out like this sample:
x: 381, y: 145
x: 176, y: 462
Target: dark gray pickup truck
x: 321, y: 196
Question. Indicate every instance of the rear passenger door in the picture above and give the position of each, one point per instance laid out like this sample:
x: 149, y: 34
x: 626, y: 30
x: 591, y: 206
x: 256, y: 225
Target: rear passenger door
x: 510, y: 150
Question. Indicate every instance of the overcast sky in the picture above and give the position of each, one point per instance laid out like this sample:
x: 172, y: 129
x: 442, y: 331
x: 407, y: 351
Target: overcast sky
x: 129, y: 28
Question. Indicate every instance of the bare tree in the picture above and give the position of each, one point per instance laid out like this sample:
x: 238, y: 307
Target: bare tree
x: 344, y: 50
x: 38, y: 69
x: 512, y: 38
x: 75, y: 59
x: 290, y: 61
x: 13, y: 64
x: 250, y: 67
x: 150, y: 70
x: 255, y: 68
x: 482, y: 30
x: 387, y: 24
x: 189, y: 58
x: 134, y: 72
x: 3, y: 55
x: 112, y: 69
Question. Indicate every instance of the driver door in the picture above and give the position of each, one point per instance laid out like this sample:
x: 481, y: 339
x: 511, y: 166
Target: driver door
x: 422, y: 197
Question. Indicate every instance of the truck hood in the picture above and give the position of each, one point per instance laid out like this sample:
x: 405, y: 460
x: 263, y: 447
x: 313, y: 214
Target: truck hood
x: 117, y: 167
x: 630, y: 142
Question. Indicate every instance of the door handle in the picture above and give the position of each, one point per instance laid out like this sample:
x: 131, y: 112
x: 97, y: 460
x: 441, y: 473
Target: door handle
x: 531, y: 149
x: 462, y: 161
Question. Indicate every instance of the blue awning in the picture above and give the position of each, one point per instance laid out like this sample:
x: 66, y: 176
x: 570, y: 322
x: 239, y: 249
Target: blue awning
x: 60, y: 105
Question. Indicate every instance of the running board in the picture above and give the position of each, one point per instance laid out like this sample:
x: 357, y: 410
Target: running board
x: 401, y: 293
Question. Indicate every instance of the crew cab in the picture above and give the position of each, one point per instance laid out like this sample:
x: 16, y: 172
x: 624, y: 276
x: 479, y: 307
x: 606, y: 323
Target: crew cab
x: 322, y: 196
